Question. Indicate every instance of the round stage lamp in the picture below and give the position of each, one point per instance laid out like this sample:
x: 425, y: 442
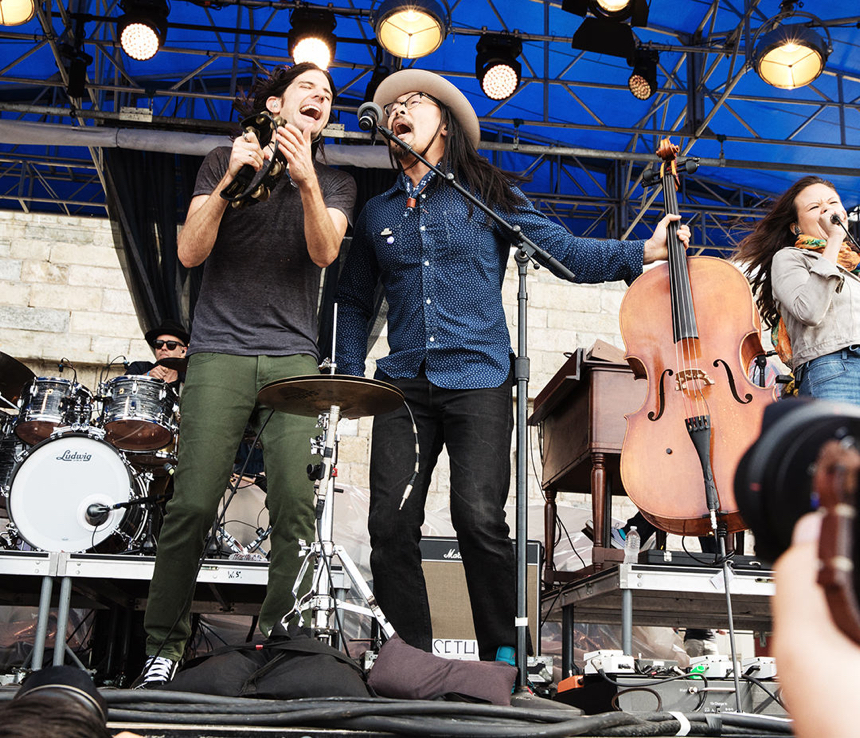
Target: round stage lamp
x: 496, y: 65
x: 143, y: 29
x: 643, y: 79
x: 611, y: 8
x: 16, y: 12
x: 311, y: 37
x: 410, y: 29
x: 790, y: 56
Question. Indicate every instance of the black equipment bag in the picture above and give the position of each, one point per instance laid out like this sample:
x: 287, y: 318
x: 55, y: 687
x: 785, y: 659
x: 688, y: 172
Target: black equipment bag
x: 288, y: 665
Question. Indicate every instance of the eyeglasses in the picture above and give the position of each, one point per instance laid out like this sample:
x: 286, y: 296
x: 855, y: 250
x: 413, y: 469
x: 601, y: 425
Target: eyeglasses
x: 171, y: 345
x: 410, y: 102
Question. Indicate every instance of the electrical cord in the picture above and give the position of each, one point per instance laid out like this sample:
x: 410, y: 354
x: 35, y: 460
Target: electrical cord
x: 418, y: 717
x: 760, y: 684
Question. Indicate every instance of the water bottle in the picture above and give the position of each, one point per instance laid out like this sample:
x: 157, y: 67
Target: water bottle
x: 631, y: 546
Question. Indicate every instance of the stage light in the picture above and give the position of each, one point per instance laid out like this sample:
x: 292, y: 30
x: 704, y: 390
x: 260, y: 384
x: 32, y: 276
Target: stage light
x: 16, y: 12
x: 311, y: 37
x: 410, y: 29
x: 496, y: 65
x: 643, y: 79
x: 616, y: 10
x: 791, y: 56
x: 605, y: 37
x: 143, y: 28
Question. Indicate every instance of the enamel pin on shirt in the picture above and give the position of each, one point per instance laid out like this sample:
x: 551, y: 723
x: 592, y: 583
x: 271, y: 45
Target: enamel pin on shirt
x: 387, y: 232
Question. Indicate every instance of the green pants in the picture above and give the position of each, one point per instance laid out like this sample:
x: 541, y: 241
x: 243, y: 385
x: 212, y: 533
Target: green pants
x: 217, y: 401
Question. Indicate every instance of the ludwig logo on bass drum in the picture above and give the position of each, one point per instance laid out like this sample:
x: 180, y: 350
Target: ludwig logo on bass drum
x: 74, y: 456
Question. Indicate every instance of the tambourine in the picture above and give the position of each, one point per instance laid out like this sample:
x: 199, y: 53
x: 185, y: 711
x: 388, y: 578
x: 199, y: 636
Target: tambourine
x: 251, y: 186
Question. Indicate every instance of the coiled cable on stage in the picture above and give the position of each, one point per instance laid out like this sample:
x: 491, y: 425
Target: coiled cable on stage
x: 422, y: 718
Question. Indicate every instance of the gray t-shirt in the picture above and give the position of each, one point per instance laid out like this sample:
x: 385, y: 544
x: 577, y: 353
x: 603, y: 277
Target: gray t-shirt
x: 260, y: 287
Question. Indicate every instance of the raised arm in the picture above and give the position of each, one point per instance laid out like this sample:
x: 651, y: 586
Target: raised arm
x: 324, y: 227
x: 197, y: 236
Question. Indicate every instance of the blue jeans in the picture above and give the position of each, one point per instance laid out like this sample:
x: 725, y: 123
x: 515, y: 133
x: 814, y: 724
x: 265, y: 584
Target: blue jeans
x: 475, y: 425
x: 833, y: 376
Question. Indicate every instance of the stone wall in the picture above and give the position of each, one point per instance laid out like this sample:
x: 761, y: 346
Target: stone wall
x: 63, y: 295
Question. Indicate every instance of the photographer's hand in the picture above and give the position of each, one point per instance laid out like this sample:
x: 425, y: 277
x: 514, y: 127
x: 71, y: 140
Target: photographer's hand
x: 818, y: 666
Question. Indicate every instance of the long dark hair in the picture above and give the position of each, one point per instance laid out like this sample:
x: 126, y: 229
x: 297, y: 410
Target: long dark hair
x: 273, y: 85
x: 770, y: 234
x: 490, y: 183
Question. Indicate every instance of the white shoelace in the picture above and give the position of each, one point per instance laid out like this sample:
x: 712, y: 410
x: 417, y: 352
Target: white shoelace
x: 158, y: 669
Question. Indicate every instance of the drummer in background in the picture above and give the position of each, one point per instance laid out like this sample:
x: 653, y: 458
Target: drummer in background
x: 168, y: 340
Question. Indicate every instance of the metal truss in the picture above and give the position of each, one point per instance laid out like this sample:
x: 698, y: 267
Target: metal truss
x: 567, y: 100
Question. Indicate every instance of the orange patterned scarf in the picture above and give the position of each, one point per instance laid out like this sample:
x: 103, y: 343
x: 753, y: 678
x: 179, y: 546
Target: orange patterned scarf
x: 847, y: 258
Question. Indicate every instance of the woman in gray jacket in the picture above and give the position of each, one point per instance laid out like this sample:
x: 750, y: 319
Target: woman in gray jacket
x: 807, y: 281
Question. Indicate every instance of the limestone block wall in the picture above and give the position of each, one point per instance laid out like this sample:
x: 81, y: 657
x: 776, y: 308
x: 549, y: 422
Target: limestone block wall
x: 63, y: 296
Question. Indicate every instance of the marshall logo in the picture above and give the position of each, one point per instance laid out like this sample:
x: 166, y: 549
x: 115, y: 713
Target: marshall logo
x: 452, y: 553
x: 74, y: 456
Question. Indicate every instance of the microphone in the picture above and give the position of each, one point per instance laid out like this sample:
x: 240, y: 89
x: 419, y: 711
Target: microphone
x: 834, y: 217
x: 97, y: 514
x: 369, y: 115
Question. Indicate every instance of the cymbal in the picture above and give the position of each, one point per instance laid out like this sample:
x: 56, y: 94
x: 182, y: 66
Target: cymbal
x: 13, y: 377
x: 311, y: 395
x: 179, y: 363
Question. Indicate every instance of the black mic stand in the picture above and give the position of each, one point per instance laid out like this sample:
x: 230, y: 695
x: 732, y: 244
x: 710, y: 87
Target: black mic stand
x: 527, y: 251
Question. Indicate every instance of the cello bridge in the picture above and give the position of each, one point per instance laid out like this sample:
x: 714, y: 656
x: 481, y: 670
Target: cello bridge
x: 685, y: 376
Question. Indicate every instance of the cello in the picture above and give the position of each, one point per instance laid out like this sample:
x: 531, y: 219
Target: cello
x: 691, y: 330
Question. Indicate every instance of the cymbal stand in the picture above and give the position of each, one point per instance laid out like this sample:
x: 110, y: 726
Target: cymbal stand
x: 321, y: 599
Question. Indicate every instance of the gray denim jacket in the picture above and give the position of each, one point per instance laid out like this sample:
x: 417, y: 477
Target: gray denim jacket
x: 818, y: 301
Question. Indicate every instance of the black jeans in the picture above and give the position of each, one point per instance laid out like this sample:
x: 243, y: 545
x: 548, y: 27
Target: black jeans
x: 476, y: 426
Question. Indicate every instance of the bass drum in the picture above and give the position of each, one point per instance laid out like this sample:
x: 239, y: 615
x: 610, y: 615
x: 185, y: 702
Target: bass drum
x: 58, y: 479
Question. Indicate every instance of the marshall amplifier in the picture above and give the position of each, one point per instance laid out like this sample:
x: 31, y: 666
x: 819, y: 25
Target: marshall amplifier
x: 450, y: 609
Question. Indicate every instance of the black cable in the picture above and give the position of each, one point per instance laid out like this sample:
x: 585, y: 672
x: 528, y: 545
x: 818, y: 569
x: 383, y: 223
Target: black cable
x: 601, y: 673
x: 760, y: 684
x: 614, y: 701
x: 716, y: 563
x: 563, y: 527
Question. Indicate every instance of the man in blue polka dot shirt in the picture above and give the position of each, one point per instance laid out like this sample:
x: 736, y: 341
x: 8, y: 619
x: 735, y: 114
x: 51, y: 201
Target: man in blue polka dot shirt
x: 441, y: 264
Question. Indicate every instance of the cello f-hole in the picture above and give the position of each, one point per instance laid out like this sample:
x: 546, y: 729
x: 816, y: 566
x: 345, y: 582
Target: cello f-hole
x: 661, y: 401
x: 731, y: 377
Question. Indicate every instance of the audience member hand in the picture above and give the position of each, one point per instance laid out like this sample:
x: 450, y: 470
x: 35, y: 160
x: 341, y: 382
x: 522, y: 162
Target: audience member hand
x: 818, y: 665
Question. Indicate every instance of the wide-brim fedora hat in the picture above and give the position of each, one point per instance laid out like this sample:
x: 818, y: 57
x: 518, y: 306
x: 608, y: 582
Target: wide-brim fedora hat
x: 420, y: 80
x: 168, y: 328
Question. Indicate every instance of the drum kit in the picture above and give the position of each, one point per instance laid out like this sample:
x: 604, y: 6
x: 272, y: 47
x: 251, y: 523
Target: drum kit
x: 67, y: 449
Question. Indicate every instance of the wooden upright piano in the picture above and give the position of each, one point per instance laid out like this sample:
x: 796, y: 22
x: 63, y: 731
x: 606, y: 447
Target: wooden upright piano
x: 582, y: 410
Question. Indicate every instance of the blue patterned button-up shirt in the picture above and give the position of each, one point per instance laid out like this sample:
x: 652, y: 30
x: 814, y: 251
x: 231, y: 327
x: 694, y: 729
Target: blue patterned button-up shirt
x: 442, y: 273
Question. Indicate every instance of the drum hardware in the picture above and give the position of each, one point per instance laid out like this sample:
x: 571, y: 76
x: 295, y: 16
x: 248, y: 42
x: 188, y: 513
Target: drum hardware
x: 331, y: 397
x: 97, y: 514
x: 225, y: 543
x: 13, y: 377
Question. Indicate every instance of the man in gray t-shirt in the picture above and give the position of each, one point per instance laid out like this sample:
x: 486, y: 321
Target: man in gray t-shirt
x: 255, y: 322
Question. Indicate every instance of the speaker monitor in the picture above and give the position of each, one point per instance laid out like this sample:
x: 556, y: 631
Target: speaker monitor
x: 450, y: 608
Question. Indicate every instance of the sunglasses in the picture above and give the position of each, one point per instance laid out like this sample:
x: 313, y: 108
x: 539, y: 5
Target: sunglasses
x: 171, y: 345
